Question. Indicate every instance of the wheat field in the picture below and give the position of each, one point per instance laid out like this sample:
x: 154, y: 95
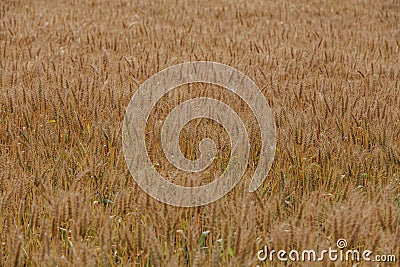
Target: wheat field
x: 329, y: 70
